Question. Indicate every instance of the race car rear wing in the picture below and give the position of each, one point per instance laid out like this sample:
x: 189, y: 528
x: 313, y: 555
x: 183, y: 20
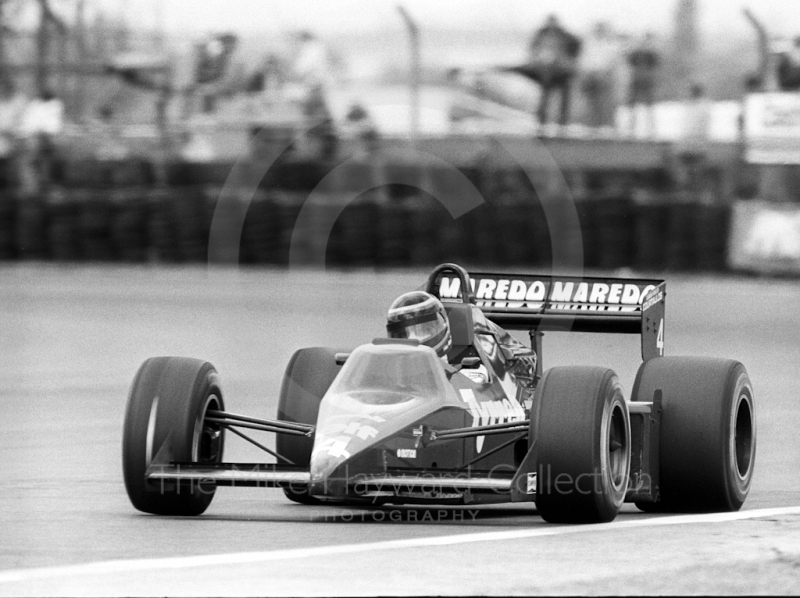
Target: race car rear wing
x: 537, y: 302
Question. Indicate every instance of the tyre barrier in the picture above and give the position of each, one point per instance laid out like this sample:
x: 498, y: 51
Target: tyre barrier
x: 63, y: 235
x: 94, y: 226
x: 107, y: 174
x: 681, y: 234
x: 129, y: 225
x: 161, y: 227
x: 260, y: 238
x: 427, y: 218
x: 354, y: 238
x: 294, y: 175
x: 375, y: 230
x: 8, y: 221
x: 711, y: 230
x: 288, y: 209
x: 613, y: 230
x: 407, y: 179
x: 197, y: 174
x: 395, y: 237
x: 651, y: 235
x: 192, y: 225
x: 309, y: 239
x: 566, y: 239
x: 530, y: 241
x: 31, y: 229
x: 483, y: 234
x: 587, y: 209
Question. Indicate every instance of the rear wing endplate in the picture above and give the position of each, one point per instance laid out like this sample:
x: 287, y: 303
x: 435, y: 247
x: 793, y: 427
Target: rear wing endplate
x: 561, y: 303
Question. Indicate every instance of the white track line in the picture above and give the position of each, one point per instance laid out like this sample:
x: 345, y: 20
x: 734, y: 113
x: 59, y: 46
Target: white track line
x: 238, y: 558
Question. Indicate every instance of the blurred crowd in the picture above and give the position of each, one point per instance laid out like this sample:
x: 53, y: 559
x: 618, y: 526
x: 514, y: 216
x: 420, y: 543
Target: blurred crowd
x: 611, y: 84
x: 185, y: 97
x: 28, y: 127
x: 605, y: 68
x: 605, y: 82
x: 301, y: 76
x: 617, y: 79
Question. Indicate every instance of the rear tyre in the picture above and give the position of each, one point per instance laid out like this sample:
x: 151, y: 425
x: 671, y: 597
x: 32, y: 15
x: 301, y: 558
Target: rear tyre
x: 165, y: 422
x: 584, y: 454
x: 708, y: 432
x: 308, y: 376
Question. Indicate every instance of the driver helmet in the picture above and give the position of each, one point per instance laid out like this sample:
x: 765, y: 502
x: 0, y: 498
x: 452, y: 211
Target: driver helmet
x: 420, y: 316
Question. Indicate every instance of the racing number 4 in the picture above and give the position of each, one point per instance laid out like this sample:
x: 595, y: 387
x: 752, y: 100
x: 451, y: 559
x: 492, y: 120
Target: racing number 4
x: 660, y: 338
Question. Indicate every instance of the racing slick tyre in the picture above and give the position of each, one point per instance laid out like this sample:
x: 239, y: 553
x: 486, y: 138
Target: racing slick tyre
x: 308, y: 376
x: 584, y: 453
x: 707, y: 443
x: 165, y: 421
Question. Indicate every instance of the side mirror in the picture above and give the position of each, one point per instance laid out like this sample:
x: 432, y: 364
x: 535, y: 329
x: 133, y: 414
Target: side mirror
x: 340, y: 358
x: 470, y: 362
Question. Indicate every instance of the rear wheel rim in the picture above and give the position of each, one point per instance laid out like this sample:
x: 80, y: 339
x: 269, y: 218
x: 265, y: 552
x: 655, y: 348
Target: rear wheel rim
x: 615, y: 456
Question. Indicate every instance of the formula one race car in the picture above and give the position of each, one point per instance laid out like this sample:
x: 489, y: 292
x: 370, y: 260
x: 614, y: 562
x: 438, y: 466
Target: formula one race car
x: 392, y: 422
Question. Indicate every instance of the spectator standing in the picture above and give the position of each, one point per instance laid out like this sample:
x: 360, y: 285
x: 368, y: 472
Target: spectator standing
x: 42, y: 122
x: 693, y: 146
x: 644, y: 62
x: 362, y: 127
x: 312, y: 62
x: 759, y: 80
x: 196, y: 148
x: 789, y: 67
x: 553, y: 55
x: 313, y: 71
x: 323, y: 132
x: 212, y: 61
x: 108, y: 140
x: 598, y: 65
x: 697, y: 124
x: 12, y: 107
x: 273, y: 77
x: 465, y: 113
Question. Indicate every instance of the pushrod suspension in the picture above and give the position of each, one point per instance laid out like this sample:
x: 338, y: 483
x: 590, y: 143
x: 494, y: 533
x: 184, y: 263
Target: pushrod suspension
x: 266, y: 425
x: 517, y: 426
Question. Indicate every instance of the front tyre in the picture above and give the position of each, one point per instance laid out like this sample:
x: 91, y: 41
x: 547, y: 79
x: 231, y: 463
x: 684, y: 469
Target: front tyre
x: 165, y: 421
x: 708, y: 432
x: 584, y: 453
x: 309, y: 374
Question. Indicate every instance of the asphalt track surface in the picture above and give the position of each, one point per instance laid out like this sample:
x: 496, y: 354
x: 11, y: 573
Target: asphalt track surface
x: 73, y: 338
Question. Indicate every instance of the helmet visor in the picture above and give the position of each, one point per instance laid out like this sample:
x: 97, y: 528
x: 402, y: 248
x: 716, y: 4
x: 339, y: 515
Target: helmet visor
x: 423, y: 331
